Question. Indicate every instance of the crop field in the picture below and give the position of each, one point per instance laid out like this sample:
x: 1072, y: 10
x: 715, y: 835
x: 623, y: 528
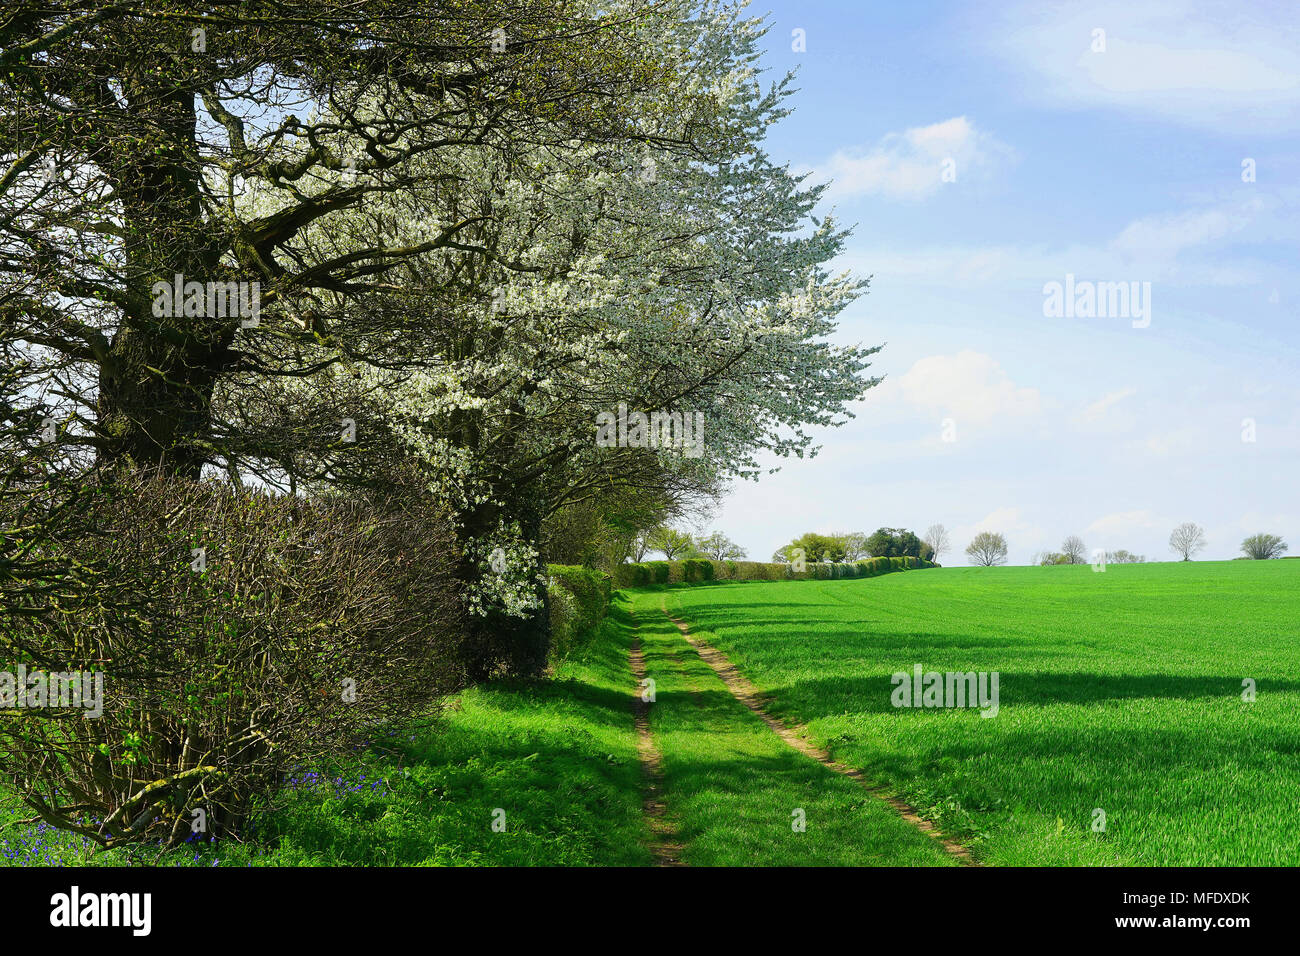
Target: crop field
x: 1120, y: 693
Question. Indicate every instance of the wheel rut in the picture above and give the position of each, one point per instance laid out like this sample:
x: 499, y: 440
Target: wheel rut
x: 664, y: 844
x: 751, y: 697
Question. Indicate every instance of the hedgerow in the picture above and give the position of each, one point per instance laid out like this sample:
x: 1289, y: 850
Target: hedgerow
x: 578, y: 600
x: 700, y: 571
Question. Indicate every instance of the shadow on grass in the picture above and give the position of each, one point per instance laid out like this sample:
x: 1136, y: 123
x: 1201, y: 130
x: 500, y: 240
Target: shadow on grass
x: 835, y: 695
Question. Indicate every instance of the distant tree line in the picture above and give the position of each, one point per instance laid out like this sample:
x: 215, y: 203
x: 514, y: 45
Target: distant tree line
x: 852, y: 546
x: 1186, y: 540
x: 987, y: 548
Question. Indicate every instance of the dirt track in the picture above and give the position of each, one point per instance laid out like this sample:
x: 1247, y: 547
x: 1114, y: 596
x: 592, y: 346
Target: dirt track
x: 749, y: 695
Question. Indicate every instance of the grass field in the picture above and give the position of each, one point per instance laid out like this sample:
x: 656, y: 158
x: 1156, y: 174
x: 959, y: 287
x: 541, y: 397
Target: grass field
x: 1120, y: 691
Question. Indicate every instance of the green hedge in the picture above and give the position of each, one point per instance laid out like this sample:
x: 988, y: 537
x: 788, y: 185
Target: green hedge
x: 579, y: 600
x: 579, y: 597
x: 695, y: 571
x: 701, y: 571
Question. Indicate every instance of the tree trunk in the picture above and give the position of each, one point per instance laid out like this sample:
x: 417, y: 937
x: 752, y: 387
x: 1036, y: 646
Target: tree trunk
x: 156, y: 382
x: 155, y: 404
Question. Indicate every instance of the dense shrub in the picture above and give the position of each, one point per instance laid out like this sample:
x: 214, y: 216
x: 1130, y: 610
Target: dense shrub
x: 897, y: 542
x: 239, y: 636
x: 632, y: 575
x: 758, y: 571
x: 695, y: 571
x: 579, y: 601
x: 562, y: 609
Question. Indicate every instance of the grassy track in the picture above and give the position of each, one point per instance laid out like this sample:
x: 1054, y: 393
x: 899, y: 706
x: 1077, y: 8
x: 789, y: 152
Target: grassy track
x: 734, y: 786
x: 1119, y: 691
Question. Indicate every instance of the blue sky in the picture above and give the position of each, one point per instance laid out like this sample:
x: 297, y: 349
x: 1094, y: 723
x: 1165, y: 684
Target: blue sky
x: 1118, y: 164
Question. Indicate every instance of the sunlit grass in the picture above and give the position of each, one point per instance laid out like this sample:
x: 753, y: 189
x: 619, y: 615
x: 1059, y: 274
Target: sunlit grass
x: 734, y: 787
x: 1119, y: 691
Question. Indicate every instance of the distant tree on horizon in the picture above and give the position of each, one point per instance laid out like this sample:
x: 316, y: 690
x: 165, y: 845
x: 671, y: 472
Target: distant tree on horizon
x: 854, y: 544
x: 1262, y: 546
x: 1074, y: 549
x: 1187, y: 539
x: 936, y: 538
x: 719, y: 547
x: 1124, y: 557
x: 671, y: 543
x: 640, y: 544
x: 816, y: 547
x: 988, y: 548
x: 897, y: 543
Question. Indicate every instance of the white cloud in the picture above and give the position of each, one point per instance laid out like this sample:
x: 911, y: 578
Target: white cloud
x: 1161, y: 238
x: 970, y: 387
x: 1231, y: 67
x: 1189, y: 246
x: 1267, y: 522
x: 911, y: 164
x: 1002, y: 519
x: 1023, y: 536
x: 1100, y: 409
x: 1123, y: 522
x: 1189, y: 439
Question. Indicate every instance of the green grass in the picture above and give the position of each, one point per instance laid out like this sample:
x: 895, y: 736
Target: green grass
x: 732, y: 786
x: 559, y: 757
x: 1120, y: 691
